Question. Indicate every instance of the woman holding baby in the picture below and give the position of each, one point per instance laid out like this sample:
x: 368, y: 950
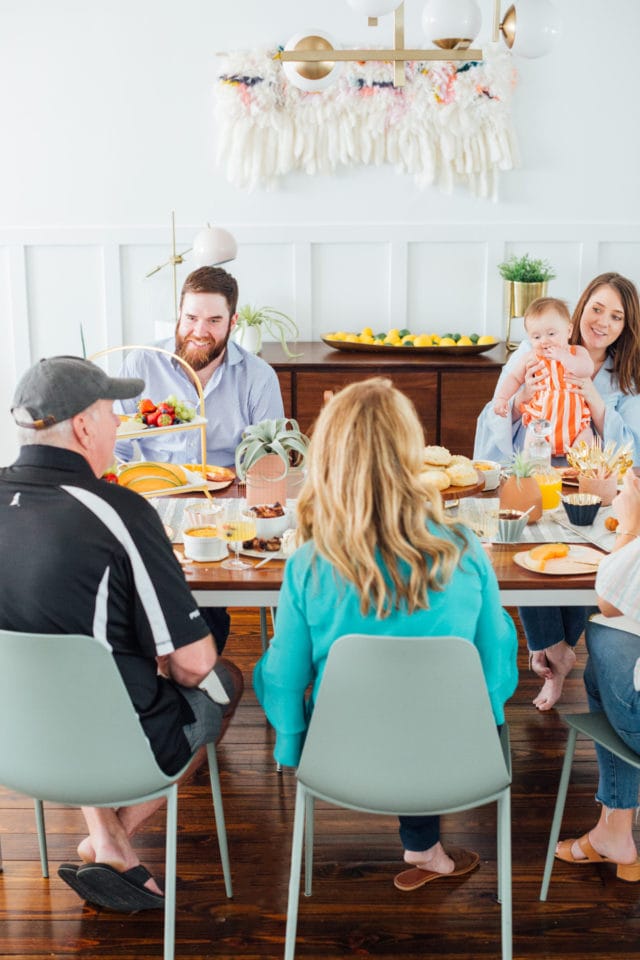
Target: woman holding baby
x: 606, y: 323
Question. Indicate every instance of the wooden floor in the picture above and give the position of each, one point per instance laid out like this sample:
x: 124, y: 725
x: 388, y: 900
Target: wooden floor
x: 355, y: 910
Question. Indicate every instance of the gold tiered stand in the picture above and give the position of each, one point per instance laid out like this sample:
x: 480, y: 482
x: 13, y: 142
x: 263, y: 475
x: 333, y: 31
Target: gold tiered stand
x: 199, y: 424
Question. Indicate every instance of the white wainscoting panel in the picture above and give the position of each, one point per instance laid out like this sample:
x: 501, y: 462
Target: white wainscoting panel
x: 65, y: 290
x: 351, y: 286
x: 446, y: 288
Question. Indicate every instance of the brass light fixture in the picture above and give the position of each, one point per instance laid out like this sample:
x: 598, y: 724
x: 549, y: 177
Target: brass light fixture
x: 530, y: 27
x: 211, y: 247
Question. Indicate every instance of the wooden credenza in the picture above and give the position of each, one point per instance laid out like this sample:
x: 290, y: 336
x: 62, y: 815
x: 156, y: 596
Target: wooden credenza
x: 448, y: 392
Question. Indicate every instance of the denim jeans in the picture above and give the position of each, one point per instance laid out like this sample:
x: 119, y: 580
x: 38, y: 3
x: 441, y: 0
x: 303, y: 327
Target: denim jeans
x: 608, y: 678
x: 544, y: 626
x: 419, y: 833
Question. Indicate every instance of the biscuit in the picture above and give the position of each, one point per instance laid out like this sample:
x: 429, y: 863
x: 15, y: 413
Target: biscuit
x: 435, y: 478
x: 436, y: 456
x: 459, y: 458
x: 461, y: 475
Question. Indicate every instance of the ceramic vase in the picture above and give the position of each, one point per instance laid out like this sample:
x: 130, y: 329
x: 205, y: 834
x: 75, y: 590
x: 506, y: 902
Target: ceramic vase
x: 520, y: 493
x: 604, y: 487
x: 267, y: 481
x: 248, y: 337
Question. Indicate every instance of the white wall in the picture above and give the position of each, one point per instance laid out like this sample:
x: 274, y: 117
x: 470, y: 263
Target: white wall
x: 107, y: 120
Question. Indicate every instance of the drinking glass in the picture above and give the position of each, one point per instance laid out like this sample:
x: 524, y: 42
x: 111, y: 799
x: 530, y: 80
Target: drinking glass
x: 550, y: 483
x: 481, y: 516
x: 237, y: 525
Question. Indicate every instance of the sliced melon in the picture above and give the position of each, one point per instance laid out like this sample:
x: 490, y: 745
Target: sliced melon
x: 171, y: 473
x: 539, y: 556
x: 152, y: 484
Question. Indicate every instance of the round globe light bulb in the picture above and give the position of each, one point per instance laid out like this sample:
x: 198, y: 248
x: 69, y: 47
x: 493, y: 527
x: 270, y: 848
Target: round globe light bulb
x: 451, y: 24
x: 374, y: 8
x: 531, y: 27
x: 312, y: 76
x: 212, y: 246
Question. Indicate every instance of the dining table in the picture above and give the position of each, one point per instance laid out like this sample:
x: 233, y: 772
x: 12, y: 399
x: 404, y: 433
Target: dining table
x: 259, y: 585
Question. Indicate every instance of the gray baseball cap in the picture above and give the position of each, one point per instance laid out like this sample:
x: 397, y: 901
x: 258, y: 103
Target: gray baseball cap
x: 57, y: 388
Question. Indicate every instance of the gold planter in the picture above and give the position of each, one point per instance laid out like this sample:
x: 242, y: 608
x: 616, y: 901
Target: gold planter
x: 518, y: 296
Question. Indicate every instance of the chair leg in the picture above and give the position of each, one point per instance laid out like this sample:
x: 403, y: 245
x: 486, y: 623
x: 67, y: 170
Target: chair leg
x: 42, y: 837
x: 264, y: 634
x: 294, y: 877
x: 504, y: 872
x: 218, y: 808
x: 308, y: 844
x: 170, y: 873
x: 559, y: 810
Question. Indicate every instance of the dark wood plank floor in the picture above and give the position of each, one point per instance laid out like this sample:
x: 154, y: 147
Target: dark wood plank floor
x: 355, y: 910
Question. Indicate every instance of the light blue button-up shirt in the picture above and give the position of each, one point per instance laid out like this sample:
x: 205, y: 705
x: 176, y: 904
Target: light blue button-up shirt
x: 244, y: 389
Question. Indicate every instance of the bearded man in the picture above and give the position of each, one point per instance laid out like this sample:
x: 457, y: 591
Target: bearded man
x: 239, y: 388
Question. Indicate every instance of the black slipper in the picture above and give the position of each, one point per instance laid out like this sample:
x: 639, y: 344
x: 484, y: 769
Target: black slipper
x: 69, y: 873
x: 124, y: 892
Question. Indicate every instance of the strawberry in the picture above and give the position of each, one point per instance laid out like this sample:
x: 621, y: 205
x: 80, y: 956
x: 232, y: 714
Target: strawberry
x: 146, y: 406
x: 152, y: 418
x: 110, y: 477
x: 164, y: 420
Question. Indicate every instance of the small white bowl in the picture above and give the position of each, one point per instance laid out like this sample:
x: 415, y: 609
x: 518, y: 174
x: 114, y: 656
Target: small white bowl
x: 202, y: 544
x: 268, y: 527
x: 490, y: 470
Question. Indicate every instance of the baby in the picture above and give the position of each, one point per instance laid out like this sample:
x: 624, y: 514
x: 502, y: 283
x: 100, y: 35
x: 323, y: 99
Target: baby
x: 548, y: 325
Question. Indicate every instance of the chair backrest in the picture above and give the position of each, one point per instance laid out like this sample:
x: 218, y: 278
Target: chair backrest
x: 403, y: 725
x: 69, y: 730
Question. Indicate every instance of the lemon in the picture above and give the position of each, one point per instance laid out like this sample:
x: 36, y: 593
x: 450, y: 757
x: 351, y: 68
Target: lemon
x: 340, y: 335
x: 487, y: 338
x: 393, y: 334
x: 409, y: 338
x: 352, y: 338
x: 447, y: 342
x: 465, y: 342
x: 366, y: 332
x: 365, y: 339
x: 423, y: 340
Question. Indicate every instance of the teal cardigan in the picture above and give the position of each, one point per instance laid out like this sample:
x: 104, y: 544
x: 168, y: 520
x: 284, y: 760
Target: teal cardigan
x: 317, y: 606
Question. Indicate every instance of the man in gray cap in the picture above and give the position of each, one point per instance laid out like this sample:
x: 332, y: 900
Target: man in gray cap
x: 94, y: 559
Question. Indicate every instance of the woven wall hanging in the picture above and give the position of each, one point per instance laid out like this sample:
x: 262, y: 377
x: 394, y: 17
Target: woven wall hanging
x: 451, y: 124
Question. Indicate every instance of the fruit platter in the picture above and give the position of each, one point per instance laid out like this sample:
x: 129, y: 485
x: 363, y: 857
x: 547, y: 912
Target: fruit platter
x: 391, y: 341
x: 169, y: 414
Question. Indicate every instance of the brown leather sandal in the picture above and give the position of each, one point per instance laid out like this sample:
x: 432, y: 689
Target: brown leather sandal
x: 624, y: 871
x: 464, y: 862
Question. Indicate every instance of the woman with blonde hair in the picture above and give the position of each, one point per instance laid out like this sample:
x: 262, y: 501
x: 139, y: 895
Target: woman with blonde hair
x: 379, y: 556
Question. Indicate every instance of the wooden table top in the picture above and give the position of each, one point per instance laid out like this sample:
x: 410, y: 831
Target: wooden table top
x: 211, y: 576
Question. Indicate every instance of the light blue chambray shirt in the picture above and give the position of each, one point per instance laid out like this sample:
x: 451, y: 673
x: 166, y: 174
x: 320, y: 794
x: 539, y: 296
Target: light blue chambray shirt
x: 244, y: 389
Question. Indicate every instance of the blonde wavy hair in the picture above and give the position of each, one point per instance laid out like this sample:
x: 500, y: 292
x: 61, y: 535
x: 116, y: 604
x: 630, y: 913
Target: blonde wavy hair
x: 363, y: 501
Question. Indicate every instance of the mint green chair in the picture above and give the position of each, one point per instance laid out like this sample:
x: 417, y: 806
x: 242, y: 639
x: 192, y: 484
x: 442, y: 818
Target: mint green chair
x: 402, y: 725
x: 76, y: 739
x: 596, y: 727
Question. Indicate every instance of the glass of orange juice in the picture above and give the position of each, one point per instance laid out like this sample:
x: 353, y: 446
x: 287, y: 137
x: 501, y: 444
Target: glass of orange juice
x: 550, y: 483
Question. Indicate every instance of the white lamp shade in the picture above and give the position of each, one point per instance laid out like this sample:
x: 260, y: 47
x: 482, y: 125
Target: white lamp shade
x: 537, y: 27
x: 451, y: 19
x: 374, y: 8
x: 213, y: 246
x: 312, y: 77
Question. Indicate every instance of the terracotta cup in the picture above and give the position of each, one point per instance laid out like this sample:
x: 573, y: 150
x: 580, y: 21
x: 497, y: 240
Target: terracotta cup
x: 605, y: 488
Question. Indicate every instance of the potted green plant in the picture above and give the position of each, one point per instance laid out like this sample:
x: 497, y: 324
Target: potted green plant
x: 521, y: 489
x: 266, y: 454
x: 253, y: 321
x: 525, y: 279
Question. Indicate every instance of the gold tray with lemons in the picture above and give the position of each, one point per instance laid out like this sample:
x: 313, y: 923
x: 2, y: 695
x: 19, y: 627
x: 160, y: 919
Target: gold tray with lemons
x: 455, y: 344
